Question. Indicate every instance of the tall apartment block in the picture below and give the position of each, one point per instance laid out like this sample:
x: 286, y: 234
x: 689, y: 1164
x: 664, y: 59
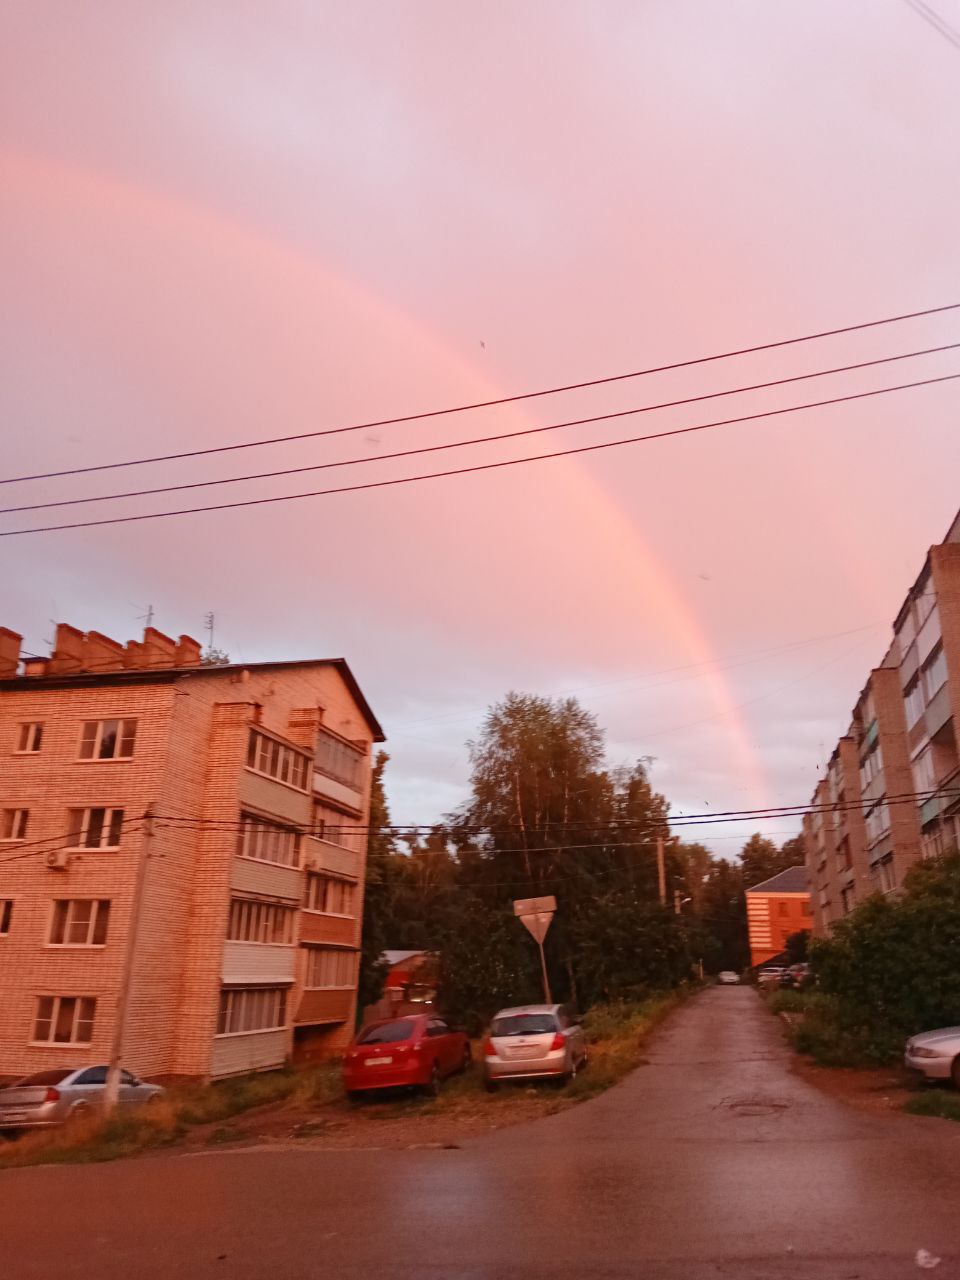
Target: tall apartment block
x: 197, y: 830
x: 891, y: 794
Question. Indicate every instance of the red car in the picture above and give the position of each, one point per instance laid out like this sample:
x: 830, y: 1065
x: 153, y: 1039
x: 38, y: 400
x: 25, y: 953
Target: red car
x: 415, y: 1052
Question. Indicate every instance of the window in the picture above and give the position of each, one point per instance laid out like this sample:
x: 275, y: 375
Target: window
x: 784, y: 908
x: 284, y: 764
x: 913, y: 698
x: 328, y: 967
x: 870, y: 766
x: 13, y: 824
x: 6, y: 913
x: 31, y: 736
x: 924, y: 771
x: 251, y: 1009
x: 887, y: 875
x: 268, y: 841
x: 330, y: 896
x: 847, y: 900
x: 935, y: 672
x: 339, y: 760
x: 389, y: 1032
x: 252, y: 921
x: 877, y: 821
x: 108, y: 739
x: 80, y: 922
x: 95, y: 828
x: 64, y: 1019
x: 335, y: 827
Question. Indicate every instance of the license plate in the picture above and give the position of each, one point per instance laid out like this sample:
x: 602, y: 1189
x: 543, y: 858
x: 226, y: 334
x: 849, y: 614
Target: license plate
x: 378, y: 1062
x: 7, y: 1116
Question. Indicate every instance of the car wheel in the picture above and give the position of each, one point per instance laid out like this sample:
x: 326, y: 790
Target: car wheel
x: 568, y: 1077
x: 491, y: 1086
x: 955, y: 1072
x: 432, y: 1087
x: 354, y: 1096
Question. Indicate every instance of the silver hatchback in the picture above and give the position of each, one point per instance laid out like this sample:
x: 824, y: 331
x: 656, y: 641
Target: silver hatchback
x: 533, y: 1041
x: 48, y: 1098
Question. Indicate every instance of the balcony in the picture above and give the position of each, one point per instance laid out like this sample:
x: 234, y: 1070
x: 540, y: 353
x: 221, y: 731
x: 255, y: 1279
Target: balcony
x: 249, y: 963
x: 334, y: 1005
x: 324, y: 855
x: 325, y: 930
x: 339, y: 770
x: 268, y: 879
x: 339, y: 792
x: 277, y: 799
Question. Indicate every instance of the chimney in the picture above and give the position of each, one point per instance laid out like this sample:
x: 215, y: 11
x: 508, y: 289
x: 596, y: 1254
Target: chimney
x: 302, y: 726
x: 100, y: 653
x: 9, y: 653
x: 67, y: 657
x: 134, y: 656
x: 188, y: 652
x: 35, y: 667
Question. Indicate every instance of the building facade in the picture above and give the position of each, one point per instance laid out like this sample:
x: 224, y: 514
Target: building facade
x: 776, y: 908
x: 195, y: 834
x: 891, y: 794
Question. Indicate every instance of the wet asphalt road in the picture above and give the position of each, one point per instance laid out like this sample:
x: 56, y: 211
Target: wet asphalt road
x: 712, y: 1160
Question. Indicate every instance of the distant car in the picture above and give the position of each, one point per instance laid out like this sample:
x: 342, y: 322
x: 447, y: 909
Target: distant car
x: 727, y: 978
x: 49, y: 1098
x: 797, y: 975
x: 935, y: 1054
x: 769, y: 975
x: 533, y: 1041
x: 416, y: 1052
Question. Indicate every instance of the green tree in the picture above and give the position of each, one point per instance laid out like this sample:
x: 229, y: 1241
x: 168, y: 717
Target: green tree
x: 760, y: 859
x: 378, y: 893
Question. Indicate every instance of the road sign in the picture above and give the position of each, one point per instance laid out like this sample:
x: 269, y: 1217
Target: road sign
x: 535, y: 914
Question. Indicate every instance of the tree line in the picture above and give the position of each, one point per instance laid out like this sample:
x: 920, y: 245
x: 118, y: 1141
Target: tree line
x: 547, y: 815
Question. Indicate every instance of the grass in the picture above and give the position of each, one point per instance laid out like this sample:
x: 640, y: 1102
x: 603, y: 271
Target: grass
x: 615, y: 1037
x: 935, y: 1102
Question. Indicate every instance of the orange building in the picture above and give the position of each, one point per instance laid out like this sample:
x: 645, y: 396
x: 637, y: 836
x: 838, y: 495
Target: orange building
x: 776, y: 908
x: 215, y: 813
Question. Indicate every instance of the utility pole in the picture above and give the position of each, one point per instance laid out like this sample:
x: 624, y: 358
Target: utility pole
x: 661, y: 872
x: 111, y: 1093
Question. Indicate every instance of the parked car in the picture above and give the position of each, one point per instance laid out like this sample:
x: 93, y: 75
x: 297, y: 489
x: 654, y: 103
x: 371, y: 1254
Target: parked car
x: 769, y: 975
x: 727, y: 978
x: 48, y: 1098
x: 533, y: 1041
x: 413, y: 1052
x: 797, y: 975
x: 935, y: 1054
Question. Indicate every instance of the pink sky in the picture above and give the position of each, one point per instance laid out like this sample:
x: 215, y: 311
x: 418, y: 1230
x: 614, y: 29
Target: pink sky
x: 219, y: 222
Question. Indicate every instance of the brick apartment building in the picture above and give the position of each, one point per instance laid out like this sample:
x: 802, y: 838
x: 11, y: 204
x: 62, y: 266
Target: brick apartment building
x: 251, y: 872
x: 891, y: 794
x: 776, y: 908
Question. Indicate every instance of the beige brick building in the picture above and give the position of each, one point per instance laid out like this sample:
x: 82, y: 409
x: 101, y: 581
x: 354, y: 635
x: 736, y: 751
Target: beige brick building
x: 245, y: 937
x: 891, y: 794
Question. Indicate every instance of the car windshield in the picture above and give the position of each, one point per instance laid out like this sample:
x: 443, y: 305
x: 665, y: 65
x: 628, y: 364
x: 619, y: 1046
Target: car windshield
x: 524, y: 1024
x: 52, y: 1076
x: 387, y: 1032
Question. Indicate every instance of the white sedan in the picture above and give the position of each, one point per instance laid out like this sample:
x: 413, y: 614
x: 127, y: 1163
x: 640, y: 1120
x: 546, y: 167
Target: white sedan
x: 728, y: 978
x: 936, y: 1054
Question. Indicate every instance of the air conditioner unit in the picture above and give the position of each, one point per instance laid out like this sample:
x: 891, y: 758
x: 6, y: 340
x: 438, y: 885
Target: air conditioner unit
x: 57, y: 859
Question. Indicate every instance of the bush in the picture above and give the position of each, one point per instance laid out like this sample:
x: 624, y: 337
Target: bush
x: 890, y: 968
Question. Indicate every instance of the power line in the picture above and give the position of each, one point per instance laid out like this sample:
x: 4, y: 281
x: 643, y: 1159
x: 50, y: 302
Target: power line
x: 488, y: 404
x: 478, y: 467
x: 936, y: 20
x: 477, y: 440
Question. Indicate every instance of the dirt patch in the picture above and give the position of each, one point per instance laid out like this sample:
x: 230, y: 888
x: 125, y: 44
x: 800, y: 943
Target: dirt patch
x: 874, y: 1089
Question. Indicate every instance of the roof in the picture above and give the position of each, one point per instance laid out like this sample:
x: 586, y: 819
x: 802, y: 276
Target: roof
x: 398, y: 957
x: 793, y: 880
x: 164, y: 675
x: 527, y: 1008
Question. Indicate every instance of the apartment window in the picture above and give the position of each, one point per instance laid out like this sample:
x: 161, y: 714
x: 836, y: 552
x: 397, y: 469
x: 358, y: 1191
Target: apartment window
x: 339, y: 760
x: 329, y: 824
x: 284, y: 764
x: 847, y: 900
x: 79, y: 922
x: 31, y: 736
x: 95, y: 828
x: 251, y: 1009
x: 13, y: 824
x: 784, y: 908
x: 329, y: 895
x: 871, y: 765
x: 268, y: 841
x: 328, y: 967
x: 913, y: 698
x: 877, y: 821
x: 935, y: 672
x: 6, y: 914
x: 886, y: 874
x: 924, y: 771
x: 64, y: 1019
x: 108, y: 739
x: 252, y: 921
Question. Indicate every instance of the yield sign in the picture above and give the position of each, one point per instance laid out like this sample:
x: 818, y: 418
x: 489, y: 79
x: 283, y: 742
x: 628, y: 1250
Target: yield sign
x: 535, y: 914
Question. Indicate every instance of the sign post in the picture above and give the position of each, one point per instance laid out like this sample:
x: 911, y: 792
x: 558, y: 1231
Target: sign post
x: 535, y: 915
